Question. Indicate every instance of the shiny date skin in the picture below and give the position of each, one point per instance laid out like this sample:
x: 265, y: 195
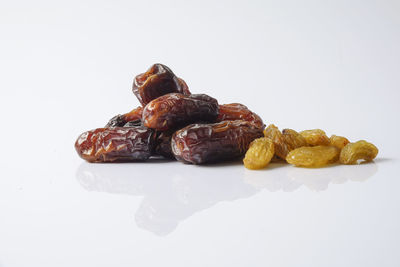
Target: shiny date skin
x: 118, y: 144
x: 236, y: 111
x: 121, y: 120
x: 175, y: 110
x: 158, y: 80
x: 210, y: 143
x: 163, y: 144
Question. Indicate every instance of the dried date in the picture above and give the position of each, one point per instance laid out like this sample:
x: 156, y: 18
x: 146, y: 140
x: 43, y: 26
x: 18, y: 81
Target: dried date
x: 163, y: 144
x: 157, y: 81
x: 121, y: 120
x: 184, y: 88
x: 177, y: 110
x: 116, y: 144
x: 236, y: 111
x: 133, y: 123
x: 208, y: 143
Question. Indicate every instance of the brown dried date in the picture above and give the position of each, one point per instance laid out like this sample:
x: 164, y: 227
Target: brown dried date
x: 175, y: 110
x: 236, y: 111
x: 184, y: 88
x: 116, y: 144
x: 157, y: 81
x: 121, y: 120
x: 207, y: 143
x: 163, y: 144
x: 133, y: 123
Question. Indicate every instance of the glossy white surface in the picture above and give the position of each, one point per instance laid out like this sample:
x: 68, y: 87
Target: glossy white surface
x: 68, y: 67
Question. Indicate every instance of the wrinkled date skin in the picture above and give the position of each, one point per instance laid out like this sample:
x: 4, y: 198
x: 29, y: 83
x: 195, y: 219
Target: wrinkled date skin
x: 157, y: 81
x: 133, y: 123
x: 116, y: 144
x: 184, y: 88
x: 177, y: 110
x: 210, y: 143
x: 236, y: 111
x: 163, y: 144
x: 121, y: 120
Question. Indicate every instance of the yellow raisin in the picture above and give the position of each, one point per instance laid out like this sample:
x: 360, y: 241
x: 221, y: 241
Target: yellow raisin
x: 293, y: 139
x: 272, y: 132
x: 361, y: 150
x: 315, y: 137
x: 338, y: 141
x: 259, y: 154
x: 316, y: 156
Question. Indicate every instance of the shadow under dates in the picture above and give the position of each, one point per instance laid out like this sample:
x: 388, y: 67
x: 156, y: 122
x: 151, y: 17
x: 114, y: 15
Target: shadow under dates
x: 179, y: 192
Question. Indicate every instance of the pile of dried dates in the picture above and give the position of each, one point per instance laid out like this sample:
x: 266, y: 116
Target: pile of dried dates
x: 194, y: 128
x: 173, y: 123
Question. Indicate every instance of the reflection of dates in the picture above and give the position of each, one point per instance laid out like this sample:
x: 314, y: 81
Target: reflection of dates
x: 116, y: 144
x: 174, y: 110
x: 157, y: 81
x: 203, y: 143
x: 236, y: 111
x: 121, y: 120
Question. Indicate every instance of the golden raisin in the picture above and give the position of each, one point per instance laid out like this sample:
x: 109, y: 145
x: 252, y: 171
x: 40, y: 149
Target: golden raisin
x: 316, y: 156
x: 361, y: 150
x: 315, y: 137
x: 272, y: 132
x: 338, y: 141
x: 259, y: 154
x: 293, y: 139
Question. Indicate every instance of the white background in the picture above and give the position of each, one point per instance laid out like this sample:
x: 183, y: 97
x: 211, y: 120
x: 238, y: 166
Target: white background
x: 67, y: 67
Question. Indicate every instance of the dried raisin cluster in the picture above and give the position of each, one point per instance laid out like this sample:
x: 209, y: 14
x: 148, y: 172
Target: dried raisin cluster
x: 309, y: 148
x: 173, y: 123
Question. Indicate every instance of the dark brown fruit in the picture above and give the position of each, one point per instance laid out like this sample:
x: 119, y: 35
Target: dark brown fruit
x: 135, y: 114
x: 163, y: 144
x: 184, y: 87
x: 133, y: 123
x: 207, y: 143
x: 116, y: 144
x: 157, y: 81
x: 236, y: 111
x: 121, y: 120
x: 177, y: 110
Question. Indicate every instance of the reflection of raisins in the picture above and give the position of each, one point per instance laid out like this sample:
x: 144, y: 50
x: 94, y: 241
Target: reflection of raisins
x: 176, y: 110
x: 116, y: 144
x: 121, y: 120
x: 157, y: 81
x: 203, y: 143
x: 236, y: 111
